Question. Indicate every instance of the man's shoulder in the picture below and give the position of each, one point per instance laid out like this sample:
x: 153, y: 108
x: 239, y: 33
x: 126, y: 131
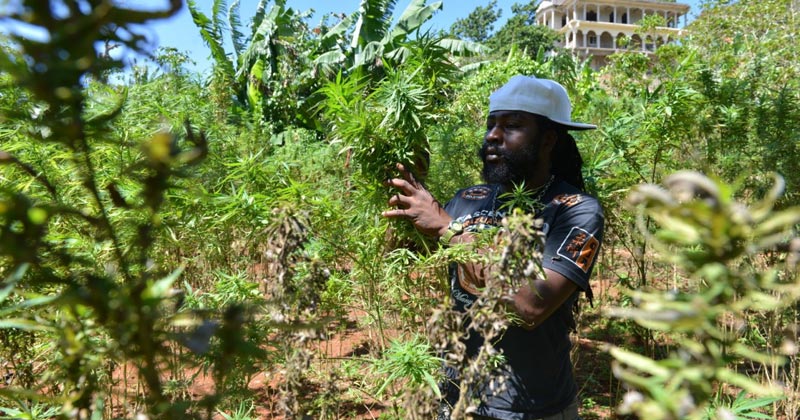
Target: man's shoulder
x: 470, y: 199
x: 567, y: 196
x: 479, y: 192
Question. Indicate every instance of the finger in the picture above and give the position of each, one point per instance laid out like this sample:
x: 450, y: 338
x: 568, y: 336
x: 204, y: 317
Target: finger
x: 407, y: 175
x: 394, y: 213
x: 389, y: 181
x: 398, y: 200
x: 401, y: 184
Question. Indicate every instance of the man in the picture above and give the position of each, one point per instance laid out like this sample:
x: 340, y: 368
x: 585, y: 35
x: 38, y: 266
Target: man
x: 526, y: 143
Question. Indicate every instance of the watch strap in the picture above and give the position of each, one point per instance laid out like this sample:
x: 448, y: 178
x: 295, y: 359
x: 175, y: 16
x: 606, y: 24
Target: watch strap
x: 453, y: 228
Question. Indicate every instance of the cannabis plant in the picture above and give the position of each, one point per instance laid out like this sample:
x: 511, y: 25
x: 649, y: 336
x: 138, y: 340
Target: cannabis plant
x: 716, y: 242
x: 80, y: 217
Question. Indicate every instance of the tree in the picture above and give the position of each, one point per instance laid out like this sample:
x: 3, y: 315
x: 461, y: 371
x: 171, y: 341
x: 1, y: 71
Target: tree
x: 522, y: 33
x: 648, y: 30
x: 479, y: 24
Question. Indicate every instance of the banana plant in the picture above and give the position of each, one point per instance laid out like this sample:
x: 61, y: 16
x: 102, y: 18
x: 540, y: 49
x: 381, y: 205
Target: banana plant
x: 260, y: 70
x: 374, y: 40
x: 212, y: 32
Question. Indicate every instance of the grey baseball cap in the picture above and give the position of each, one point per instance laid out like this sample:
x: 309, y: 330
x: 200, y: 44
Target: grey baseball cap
x: 538, y: 96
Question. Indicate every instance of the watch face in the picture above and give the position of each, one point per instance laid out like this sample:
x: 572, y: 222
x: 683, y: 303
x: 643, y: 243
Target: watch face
x: 456, y: 226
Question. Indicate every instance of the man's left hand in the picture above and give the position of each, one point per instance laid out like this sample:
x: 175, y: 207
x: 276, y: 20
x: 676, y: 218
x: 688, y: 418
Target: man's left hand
x: 415, y: 203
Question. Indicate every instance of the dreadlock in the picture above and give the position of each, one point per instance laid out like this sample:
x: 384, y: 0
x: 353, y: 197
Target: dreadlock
x: 565, y: 160
x: 566, y: 163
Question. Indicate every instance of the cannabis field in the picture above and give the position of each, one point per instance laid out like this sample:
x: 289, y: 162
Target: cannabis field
x: 176, y: 245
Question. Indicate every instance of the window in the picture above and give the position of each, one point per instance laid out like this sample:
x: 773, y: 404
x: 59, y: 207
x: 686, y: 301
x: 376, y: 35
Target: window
x: 611, y: 17
x: 563, y: 21
x: 624, y: 18
x: 592, y: 40
x: 591, y: 16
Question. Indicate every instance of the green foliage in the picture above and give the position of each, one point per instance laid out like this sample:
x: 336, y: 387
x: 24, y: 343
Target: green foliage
x: 265, y: 77
x: 211, y: 30
x: 262, y: 76
x: 706, y: 233
x: 81, y: 221
x: 381, y: 123
x: 649, y: 23
x: 408, y: 360
x: 375, y: 42
x: 699, y: 105
x: 478, y: 25
x: 752, y: 108
x: 730, y: 105
x: 521, y: 33
x: 29, y: 412
x: 223, y: 84
x: 243, y: 412
x: 384, y: 127
x: 742, y: 407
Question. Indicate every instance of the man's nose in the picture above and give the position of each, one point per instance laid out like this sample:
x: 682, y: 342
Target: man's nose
x: 494, y: 134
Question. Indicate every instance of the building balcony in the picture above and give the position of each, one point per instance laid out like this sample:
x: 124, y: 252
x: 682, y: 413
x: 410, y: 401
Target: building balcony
x: 603, y: 51
x: 616, y: 29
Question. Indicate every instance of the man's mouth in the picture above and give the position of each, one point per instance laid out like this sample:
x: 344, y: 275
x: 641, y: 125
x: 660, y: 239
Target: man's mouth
x: 493, y: 155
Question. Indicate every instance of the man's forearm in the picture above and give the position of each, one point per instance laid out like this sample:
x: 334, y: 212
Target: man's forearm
x: 535, y: 306
x: 533, y: 302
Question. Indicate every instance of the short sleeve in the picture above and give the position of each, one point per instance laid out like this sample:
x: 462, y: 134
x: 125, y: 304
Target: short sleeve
x: 573, y: 239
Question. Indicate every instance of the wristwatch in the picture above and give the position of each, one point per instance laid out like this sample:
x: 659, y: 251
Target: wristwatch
x: 453, y: 228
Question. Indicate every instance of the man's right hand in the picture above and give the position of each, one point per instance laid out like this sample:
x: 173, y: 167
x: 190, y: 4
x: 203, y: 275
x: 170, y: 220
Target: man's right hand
x: 415, y: 203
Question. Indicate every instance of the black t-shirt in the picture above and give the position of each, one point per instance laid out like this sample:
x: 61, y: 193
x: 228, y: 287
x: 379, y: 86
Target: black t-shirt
x: 538, y: 369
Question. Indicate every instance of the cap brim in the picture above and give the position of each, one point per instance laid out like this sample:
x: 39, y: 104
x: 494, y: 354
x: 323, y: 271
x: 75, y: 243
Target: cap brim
x: 575, y: 126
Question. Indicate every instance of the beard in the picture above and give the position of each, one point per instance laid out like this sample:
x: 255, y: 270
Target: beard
x: 510, y: 168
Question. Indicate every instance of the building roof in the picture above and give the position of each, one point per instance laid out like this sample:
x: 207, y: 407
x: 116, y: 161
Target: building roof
x: 649, y: 4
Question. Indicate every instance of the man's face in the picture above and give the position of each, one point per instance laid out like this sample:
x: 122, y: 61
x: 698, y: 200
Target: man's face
x: 510, y: 151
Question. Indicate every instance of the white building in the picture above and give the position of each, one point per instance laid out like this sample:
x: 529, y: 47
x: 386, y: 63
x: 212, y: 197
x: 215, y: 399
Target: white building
x: 597, y: 27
